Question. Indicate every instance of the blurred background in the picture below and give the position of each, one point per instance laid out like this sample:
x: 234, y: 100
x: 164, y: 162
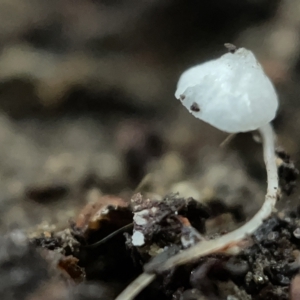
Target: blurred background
x: 87, y: 101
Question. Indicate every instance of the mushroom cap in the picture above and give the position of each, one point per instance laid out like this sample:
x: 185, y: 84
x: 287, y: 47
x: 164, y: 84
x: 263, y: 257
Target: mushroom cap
x: 232, y: 93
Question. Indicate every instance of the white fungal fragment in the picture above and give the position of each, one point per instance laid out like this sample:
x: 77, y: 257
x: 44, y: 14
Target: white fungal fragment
x: 138, y: 239
x: 231, y: 93
x: 140, y: 218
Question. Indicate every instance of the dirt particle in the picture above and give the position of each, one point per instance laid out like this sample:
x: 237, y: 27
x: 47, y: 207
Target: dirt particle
x: 195, y: 107
x: 272, y: 236
x: 231, y: 48
x: 236, y: 267
x: 287, y: 172
x: 297, y: 233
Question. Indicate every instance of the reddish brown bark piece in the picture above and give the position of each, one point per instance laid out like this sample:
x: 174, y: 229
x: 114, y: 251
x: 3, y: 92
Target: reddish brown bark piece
x: 70, y: 268
x: 108, y: 210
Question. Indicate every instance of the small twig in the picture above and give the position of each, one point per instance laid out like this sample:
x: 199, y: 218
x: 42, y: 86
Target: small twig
x: 146, y: 180
x: 110, y: 236
x: 228, y: 139
x: 229, y: 240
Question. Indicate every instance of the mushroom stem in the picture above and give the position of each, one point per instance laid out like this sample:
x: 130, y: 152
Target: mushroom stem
x: 227, y: 241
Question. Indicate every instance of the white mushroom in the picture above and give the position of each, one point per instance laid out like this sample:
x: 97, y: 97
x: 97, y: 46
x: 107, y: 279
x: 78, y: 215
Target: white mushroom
x: 233, y: 94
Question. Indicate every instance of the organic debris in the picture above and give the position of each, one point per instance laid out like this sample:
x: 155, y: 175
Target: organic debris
x: 162, y: 228
x: 159, y: 224
x: 99, y: 219
x: 69, y: 265
x: 287, y: 172
x: 264, y: 269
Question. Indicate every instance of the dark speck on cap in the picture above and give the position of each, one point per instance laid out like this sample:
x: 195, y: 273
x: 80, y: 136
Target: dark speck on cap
x: 195, y: 107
